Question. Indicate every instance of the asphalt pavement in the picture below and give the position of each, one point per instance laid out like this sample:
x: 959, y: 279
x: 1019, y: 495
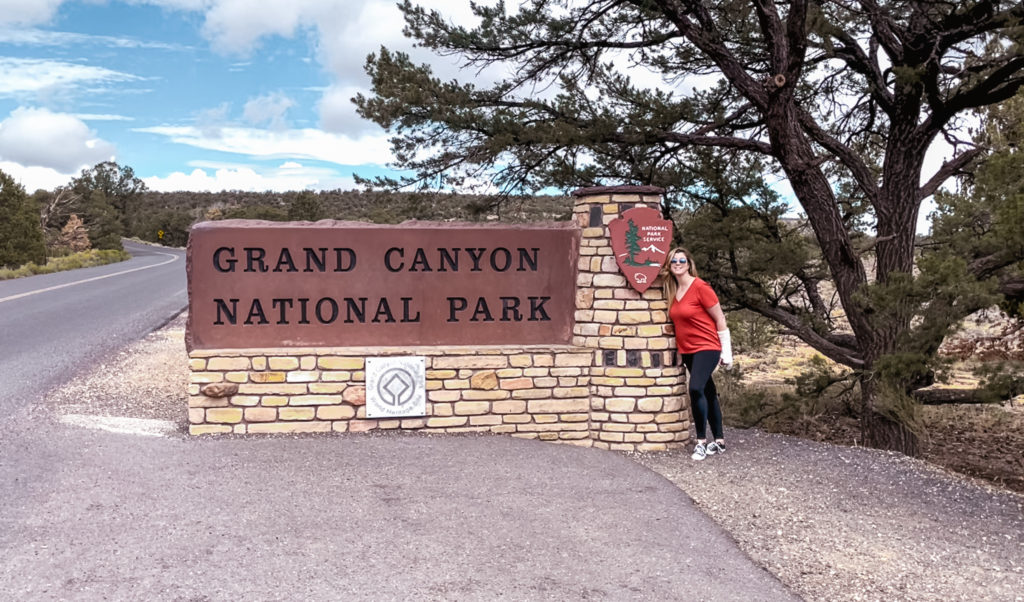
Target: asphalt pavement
x: 94, y: 515
x: 353, y: 516
x: 54, y: 325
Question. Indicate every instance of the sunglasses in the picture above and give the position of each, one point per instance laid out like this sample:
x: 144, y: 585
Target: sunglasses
x: 683, y: 260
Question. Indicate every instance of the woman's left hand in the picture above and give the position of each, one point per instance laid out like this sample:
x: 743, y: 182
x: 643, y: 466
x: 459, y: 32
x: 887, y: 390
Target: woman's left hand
x: 726, y: 355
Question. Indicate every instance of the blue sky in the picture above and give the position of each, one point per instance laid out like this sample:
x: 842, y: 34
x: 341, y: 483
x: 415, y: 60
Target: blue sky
x: 193, y: 94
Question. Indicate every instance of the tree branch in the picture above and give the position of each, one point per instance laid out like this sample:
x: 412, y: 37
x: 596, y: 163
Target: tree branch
x: 853, y: 55
x: 986, y: 266
x: 948, y: 169
x: 884, y: 31
x: 997, y: 87
x: 1012, y: 286
x: 797, y: 327
x: 705, y: 37
x: 937, y: 397
x: 796, y: 39
x: 851, y: 160
x: 719, y: 141
x: 775, y: 39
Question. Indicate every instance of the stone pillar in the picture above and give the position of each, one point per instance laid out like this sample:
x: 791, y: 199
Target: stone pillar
x: 637, y: 394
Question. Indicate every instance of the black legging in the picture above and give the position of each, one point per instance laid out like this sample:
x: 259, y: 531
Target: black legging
x: 703, y: 395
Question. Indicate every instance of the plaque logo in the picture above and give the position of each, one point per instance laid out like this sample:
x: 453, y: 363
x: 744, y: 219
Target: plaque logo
x: 395, y: 387
x: 640, y: 240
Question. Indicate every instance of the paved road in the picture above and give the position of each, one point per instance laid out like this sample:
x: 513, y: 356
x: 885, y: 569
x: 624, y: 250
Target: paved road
x: 92, y: 515
x: 51, y: 325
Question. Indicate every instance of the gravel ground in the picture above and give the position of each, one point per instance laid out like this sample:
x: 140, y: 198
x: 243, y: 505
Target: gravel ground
x: 843, y: 523
x: 832, y: 523
x: 145, y: 380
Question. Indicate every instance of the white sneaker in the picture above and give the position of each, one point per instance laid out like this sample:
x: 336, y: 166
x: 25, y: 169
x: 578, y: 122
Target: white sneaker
x: 715, y: 448
x: 699, y: 451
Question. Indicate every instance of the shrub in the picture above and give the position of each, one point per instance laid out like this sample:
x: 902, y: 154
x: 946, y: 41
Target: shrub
x: 305, y: 207
x: 74, y: 235
x: 21, y: 234
x: 751, y: 333
x: 165, y: 226
x: 85, y: 259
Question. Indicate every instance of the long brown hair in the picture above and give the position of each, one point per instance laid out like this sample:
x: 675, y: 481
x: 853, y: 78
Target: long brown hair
x: 671, y: 286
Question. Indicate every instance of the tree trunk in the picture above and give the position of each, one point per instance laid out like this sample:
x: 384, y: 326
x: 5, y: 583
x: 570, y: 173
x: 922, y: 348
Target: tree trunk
x: 889, y: 430
x: 882, y: 432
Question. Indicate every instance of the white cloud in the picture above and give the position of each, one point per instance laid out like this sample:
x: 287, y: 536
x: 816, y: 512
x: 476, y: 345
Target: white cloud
x: 270, y: 109
x: 40, y: 138
x: 42, y: 37
x: 21, y: 76
x: 210, y: 121
x: 34, y: 178
x: 249, y: 179
x: 344, y: 41
x: 338, y: 114
x: 27, y: 12
x: 234, y: 26
x: 102, y: 117
x: 188, y: 5
x: 288, y: 144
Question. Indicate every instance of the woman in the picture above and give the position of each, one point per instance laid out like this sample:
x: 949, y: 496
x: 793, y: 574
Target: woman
x: 702, y: 337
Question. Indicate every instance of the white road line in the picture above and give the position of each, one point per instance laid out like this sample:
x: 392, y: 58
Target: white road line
x: 53, y: 288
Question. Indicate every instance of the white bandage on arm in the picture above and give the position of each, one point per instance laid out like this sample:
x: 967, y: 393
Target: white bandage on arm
x: 726, y: 339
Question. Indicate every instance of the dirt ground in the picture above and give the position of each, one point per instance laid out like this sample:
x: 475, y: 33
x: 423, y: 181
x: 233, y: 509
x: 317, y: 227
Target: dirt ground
x: 985, y: 442
x: 981, y: 441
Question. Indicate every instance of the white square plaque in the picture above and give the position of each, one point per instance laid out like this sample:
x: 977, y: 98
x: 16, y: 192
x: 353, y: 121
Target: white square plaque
x: 396, y: 386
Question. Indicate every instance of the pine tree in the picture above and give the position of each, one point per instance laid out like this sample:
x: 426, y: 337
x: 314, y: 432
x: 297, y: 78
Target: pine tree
x: 633, y: 244
x: 305, y: 207
x: 843, y: 100
x: 983, y: 222
x: 21, y: 236
x: 110, y: 200
x: 102, y: 221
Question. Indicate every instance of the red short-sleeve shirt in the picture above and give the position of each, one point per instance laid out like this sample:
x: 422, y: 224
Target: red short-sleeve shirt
x: 695, y: 330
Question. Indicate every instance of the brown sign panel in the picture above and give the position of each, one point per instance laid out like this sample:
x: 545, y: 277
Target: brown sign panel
x: 255, y: 284
x: 641, y: 240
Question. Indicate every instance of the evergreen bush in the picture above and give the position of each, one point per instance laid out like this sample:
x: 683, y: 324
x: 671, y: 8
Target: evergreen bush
x: 21, y: 235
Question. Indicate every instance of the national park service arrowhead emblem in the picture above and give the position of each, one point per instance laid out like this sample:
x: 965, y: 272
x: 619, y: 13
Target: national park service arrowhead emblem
x: 641, y: 240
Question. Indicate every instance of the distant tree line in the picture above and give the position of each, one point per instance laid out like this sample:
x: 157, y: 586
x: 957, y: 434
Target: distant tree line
x: 108, y: 202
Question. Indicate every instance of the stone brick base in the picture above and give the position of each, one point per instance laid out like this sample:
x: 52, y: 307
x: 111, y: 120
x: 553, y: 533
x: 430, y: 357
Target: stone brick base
x: 534, y: 392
